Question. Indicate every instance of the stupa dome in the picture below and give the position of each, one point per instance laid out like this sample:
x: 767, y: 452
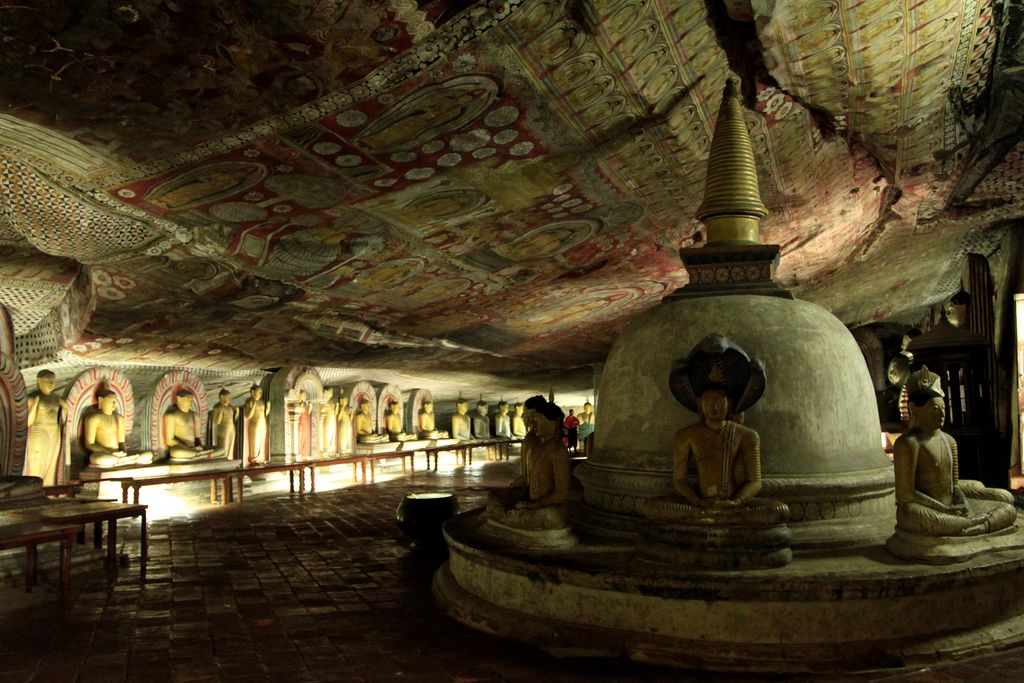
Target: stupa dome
x: 821, y: 450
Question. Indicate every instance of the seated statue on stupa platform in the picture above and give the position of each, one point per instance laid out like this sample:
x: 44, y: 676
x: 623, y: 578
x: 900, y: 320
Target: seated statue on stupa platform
x: 103, y: 435
x: 363, y: 424
x: 532, y: 510
x: 179, y: 433
x: 717, y: 520
x: 939, y: 517
x: 393, y: 424
x: 426, y: 424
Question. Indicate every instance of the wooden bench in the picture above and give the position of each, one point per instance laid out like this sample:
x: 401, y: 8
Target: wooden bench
x: 217, y: 478
x: 354, y: 460
x: 28, y: 535
x: 374, y: 457
x: 69, y: 489
x: 95, y: 513
x: 464, y: 450
x: 292, y: 468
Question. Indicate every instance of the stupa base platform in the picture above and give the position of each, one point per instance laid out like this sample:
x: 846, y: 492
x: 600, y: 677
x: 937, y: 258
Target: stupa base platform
x: 853, y: 609
x: 158, y: 469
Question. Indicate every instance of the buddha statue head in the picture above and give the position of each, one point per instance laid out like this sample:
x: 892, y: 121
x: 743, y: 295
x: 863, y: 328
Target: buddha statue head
x: 532, y: 405
x: 588, y: 408
x: 343, y: 401
x: 713, y: 405
x: 364, y: 406
x: 106, y: 401
x: 462, y: 406
x: 224, y: 397
x: 184, y: 401
x: 481, y: 407
x: 428, y: 407
x: 927, y: 409
x: 548, y: 420
x: 393, y: 407
x: 717, y: 379
x: 518, y: 408
x: 302, y: 396
x: 45, y: 379
x: 256, y: 392
x: 328, y: 394
x: 502, y: 407
x: 956, y: 310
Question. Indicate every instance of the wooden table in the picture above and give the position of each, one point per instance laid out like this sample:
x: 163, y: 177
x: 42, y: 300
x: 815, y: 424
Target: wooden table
x: 464, y: 450
x: 95, y: 513
x: 290, y: 467
x: 28, y: 535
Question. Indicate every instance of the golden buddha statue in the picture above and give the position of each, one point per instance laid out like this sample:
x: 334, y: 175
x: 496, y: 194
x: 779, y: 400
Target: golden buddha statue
x: 586, y: 428
x: 328, y: 422
x: 460, y: 421
x: 503, y: 421
x: 518, y: 423
x: 224, y: 416
x: 179, y: 433
x: 426, y: 427
x: 255, y: 412
x: 103, y: 434
x: 344, y: 426
x: 718, y: 380
x: 931, y: 500
x: 393, y: 423
x: 45, y: 415
x: 541, y: 503
x: 363, y: 423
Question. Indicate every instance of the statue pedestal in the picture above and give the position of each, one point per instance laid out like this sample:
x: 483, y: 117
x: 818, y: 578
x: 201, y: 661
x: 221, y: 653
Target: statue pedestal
x: 157, y: 469
x: 718, y: 547
x: 950, y: 549
x: 536, y: 539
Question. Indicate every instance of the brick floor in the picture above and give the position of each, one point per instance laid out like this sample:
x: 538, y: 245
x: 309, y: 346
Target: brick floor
x: 322, y: 588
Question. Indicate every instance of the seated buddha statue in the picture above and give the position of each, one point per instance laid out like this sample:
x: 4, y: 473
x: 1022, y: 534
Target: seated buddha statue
x: 537, y: 500
x: 481, y: 423
x: 931, y: 499
x: 718, y: 380
x: 363, y: 424
x: 503, y: 421
x: 103, y: 434
x: 393, y: 423
x: 179, y: 433
x: 518, y: 423
x: 460, y: 421
x: 426, y: 427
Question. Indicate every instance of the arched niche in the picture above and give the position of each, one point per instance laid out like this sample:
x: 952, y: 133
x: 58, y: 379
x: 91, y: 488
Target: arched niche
x: 13, y: 417
x: 417, y: 397
x: 874, y: 356
x: 81, y: 399
x: 160, y: 401
x: 294, y: 429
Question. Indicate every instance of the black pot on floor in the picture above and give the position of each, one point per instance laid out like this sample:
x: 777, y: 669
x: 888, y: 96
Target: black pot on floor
x: 420, y: 516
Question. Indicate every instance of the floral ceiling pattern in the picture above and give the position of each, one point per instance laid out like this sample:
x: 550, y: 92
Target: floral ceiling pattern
x: 501, y: 184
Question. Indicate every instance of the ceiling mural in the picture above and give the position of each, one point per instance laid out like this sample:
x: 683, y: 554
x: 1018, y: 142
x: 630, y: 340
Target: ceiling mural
x: 501, y: 184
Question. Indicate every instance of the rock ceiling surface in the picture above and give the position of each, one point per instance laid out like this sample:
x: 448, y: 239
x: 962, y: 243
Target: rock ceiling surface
x: 499, y: 185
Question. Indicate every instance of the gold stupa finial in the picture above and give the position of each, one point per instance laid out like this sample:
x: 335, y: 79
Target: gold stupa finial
x: 732, y: 203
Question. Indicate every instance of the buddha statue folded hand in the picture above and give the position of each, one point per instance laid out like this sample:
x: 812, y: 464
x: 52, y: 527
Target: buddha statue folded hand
x: 104, y: 435
x: 931, y: 500
x: 717, y: 517
x: 363, y: 424
x: 179, y: 433
x: 426, y: 425
x: 393, y: 423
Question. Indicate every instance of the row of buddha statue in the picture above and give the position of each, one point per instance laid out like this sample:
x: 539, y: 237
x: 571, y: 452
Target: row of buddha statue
x: 715, y: 516
x: 236, y: 431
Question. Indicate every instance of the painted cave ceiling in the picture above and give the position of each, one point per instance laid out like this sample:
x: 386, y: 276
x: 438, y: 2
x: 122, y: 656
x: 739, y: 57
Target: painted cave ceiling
x: 499, y: 185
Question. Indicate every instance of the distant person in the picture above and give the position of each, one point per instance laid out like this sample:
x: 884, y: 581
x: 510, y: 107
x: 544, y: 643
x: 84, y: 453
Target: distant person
x: 571, y: 425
